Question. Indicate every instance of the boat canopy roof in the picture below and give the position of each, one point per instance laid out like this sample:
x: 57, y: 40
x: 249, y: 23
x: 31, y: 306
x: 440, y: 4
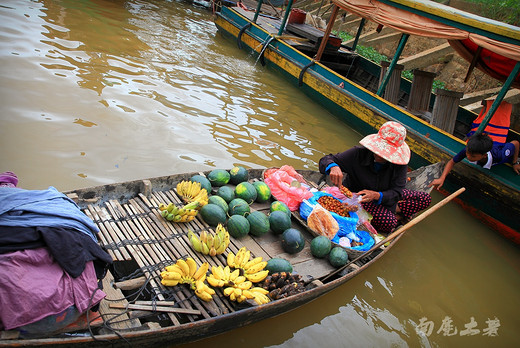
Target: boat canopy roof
x: 494, y: 45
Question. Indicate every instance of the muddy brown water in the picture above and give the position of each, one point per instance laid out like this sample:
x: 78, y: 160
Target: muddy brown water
x: 96, y: 92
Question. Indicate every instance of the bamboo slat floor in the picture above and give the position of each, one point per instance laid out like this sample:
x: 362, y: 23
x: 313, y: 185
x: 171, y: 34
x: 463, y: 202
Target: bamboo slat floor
x: 134, y: 232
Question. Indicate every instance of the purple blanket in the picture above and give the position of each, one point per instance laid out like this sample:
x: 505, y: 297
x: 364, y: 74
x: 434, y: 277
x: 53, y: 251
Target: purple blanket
x: 34, y: 286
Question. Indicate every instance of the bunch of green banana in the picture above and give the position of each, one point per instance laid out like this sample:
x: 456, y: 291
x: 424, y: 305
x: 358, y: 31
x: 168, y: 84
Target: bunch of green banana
x: 191, y: 191
x: 187, y: 272
x: 209, y: 243
x: 253, y: 269
x: 186, y: 213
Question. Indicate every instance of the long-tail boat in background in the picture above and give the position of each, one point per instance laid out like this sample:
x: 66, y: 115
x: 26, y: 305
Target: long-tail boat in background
x: 365, y: 95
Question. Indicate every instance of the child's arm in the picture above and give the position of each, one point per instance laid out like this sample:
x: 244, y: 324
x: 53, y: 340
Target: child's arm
x: 437, y: 183
x: 515, y: 160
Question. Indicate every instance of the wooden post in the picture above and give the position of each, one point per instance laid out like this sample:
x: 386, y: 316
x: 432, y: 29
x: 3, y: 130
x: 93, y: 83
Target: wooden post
x: 393, y: 87
x: 419, y: 101
x: 445, y: 109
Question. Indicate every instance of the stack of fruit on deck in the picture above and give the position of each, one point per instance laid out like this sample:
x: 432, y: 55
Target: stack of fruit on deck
x: 244, y: 278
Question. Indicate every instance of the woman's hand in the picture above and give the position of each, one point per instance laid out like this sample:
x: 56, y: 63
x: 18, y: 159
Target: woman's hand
x: 368, y: 196
x: 336, y: 176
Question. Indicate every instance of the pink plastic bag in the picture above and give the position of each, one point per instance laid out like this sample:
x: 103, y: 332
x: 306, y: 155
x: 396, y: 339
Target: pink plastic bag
x: 288, y: 187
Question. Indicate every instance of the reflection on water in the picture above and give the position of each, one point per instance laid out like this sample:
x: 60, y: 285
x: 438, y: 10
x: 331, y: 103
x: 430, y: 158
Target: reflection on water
x: 95, y: 92
x: 160, y: 87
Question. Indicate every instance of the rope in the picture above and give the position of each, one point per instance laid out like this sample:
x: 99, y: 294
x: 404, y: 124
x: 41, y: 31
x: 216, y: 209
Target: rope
x: 266, y: 43
x: 300, y: 78
x: 137, y: 241
x: 239, y: 36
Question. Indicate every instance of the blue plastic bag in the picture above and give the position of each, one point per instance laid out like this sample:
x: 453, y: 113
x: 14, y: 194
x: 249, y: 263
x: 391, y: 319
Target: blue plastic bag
x: 347, y: 225
x: 364, y: 237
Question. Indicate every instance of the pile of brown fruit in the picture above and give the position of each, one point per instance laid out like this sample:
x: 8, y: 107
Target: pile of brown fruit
x: 283, y: 284
x: 336, y: 206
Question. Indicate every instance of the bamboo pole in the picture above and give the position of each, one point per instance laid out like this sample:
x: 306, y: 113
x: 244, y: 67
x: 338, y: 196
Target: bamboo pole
x: 327, y: 32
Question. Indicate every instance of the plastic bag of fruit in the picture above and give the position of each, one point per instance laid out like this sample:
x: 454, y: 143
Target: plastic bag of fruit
x: 286, y: 186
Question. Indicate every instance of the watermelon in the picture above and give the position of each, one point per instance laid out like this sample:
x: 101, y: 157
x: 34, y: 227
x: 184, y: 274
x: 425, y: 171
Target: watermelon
x: 263, y: 192
x: 338, y: 257
x: 204, y: 182
x: 277, y: 264
x: 238, y: 174
x: 259, y: 223
x: 218, y: 177
x: 279, y: 221
x: 246, y: 191
x: 238, y: 226
x: 213, y: 214
x: 277, y: 205
x: 238, y: 207
x: 292, y: 241
x: 320, y: 246
x: 227, y: 193
x: 219, y: 201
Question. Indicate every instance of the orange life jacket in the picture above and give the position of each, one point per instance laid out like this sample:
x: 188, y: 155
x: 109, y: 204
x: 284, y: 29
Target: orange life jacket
x: 498, y: 126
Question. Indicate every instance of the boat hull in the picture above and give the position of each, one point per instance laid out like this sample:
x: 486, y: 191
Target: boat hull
x: 103, y: 199
x: 198, y: 330
x: 366, y: 112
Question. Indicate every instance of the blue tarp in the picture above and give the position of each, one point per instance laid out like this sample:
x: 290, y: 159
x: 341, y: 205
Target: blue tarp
x: 50, y: 208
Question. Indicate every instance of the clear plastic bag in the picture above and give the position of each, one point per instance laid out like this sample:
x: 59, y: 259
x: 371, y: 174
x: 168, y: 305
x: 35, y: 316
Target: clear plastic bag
x: 321, y: 221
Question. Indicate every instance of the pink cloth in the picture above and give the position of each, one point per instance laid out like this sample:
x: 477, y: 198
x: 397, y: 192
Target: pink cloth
x: 8, y: 179
x: 33, y: 286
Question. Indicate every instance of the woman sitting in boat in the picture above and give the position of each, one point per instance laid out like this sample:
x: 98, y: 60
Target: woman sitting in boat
x: 377, y: 171
x: 481, y: 150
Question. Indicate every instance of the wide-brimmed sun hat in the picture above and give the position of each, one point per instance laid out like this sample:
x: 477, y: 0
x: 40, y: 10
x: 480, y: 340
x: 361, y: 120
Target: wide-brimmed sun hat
x: 389, y: 143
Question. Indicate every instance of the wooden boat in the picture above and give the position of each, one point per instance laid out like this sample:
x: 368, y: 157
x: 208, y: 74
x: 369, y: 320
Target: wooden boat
x: 351, y: 87
x: 141, y: 242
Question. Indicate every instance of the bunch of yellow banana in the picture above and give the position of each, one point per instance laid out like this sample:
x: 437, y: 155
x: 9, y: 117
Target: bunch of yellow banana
x: 202, y: 198
x: 235, y: 286
x: 209, y: 243
x: 221, y: 277
x: 253, y: 269
x: 259, y: 295
x: 191, y: 191
x: 186, y: 213
x: 203, y: 291
x: 240, y: 293
x: 187, y: 272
